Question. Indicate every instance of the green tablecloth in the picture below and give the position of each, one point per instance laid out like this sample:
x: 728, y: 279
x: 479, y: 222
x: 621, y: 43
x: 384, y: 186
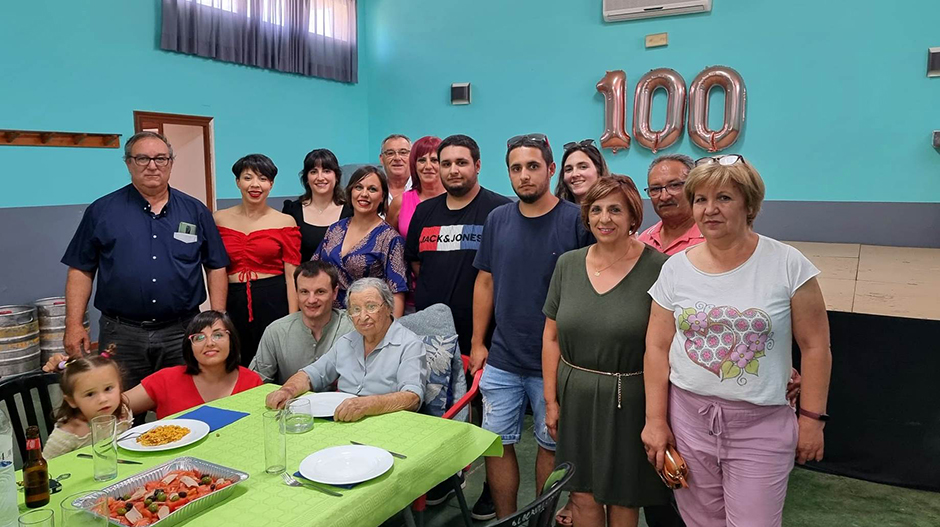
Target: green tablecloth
x: 436, y: 448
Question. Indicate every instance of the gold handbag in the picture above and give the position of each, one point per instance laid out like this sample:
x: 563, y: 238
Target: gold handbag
x: 675, y: 471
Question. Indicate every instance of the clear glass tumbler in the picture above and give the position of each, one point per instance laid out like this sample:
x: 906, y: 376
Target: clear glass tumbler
x: 299, y: 417
x: 104, y: 446
x: 37, y: 518
x: 93, y: 513
x: 275, y: 441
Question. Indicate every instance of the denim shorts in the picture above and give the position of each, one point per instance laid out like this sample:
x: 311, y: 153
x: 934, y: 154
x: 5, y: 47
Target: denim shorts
x: 504, y: 402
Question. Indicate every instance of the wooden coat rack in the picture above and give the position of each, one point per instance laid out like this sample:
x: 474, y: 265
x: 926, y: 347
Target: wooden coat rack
x: 74, y: 139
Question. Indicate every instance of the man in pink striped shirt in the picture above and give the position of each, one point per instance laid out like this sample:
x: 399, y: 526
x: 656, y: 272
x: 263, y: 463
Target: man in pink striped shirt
x: 676, y: 230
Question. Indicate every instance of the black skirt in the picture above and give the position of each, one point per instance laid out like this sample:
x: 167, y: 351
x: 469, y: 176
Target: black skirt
x: 252, y: 306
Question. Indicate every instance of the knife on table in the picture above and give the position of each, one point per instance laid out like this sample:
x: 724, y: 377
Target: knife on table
x: 122, y: 461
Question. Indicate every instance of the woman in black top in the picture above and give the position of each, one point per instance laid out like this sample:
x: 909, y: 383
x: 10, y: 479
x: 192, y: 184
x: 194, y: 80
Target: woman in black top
x: 322, y: 203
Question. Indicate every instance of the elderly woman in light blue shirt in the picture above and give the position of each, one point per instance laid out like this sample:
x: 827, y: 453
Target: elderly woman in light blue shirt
x: 382, y: 361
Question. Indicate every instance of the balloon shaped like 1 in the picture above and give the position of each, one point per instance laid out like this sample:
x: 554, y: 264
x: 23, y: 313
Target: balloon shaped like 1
x: 670, y: 80
x: 613, y: 86
x: 735, y: 102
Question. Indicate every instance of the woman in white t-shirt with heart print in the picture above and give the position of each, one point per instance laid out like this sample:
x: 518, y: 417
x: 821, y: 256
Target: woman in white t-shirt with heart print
x: 719, y: 353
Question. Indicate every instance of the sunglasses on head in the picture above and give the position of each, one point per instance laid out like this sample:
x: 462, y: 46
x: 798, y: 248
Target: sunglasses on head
x: 527, y: 138
x: 583, y: 144
x: 725, y: 161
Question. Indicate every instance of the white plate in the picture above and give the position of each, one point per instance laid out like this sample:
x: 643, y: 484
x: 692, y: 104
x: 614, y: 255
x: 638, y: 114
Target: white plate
x: 197, y: 430
x: 324, y: 404
x: 345, y: 465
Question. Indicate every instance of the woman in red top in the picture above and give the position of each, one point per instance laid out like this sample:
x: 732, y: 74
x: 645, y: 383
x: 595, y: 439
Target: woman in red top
x: 264, y: 248
x: 211, y: 372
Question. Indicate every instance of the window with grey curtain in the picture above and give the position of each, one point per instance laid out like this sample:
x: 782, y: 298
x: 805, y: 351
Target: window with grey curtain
x: 316, y: 38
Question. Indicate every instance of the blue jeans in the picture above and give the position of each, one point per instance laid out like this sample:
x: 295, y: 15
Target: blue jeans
x: 504, y: 402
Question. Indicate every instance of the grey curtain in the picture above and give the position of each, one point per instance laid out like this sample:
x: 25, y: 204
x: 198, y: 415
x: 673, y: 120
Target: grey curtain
x: 316, y: 38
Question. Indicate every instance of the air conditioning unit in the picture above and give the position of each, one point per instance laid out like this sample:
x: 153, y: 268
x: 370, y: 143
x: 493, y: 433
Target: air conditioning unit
x: 618, y: 10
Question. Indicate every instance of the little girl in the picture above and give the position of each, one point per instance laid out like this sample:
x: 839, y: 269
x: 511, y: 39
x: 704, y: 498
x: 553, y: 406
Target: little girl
x: 91, y: 386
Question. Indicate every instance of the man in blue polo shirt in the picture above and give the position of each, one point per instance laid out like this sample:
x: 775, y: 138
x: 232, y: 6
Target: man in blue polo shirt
x: 148, y: 245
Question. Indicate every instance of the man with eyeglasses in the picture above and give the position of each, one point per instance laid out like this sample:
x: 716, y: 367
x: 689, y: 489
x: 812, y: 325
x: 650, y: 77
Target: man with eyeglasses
x: 148, y: 244
x: 394, y: 158
x: 676, y: 230
x: 516, y: 259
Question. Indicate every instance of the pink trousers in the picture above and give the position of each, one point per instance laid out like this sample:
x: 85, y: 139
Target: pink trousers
x: 739, y: 456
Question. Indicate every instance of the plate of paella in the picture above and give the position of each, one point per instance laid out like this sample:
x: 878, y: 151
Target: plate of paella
x: 163, y: 435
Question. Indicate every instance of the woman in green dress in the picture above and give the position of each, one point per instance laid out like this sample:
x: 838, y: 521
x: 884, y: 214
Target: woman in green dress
x: 597, y: 311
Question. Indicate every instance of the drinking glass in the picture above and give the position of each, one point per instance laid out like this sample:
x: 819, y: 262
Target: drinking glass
x: 104, y: 446
x: 37, y: 518
x: 93, y: 513
x: 299, y: 418
x: 275, y: 441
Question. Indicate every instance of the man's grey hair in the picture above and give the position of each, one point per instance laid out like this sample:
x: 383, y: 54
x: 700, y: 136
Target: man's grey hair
x: 682, y: 158
x: 362, y: 284
x: 129, y: 144
x: 390, y: 137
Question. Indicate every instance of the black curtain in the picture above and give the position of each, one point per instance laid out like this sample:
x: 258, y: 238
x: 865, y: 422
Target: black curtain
x: 884, y: 400
x: 315, y: 38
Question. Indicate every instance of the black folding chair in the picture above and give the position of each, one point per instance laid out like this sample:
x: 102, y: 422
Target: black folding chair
x: 23, y: 385
x: 541, y: 512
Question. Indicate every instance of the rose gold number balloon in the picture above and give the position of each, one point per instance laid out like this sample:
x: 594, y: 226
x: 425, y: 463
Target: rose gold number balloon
x: 674, y: 84
x: 735, y: 101
x: 613, y: 86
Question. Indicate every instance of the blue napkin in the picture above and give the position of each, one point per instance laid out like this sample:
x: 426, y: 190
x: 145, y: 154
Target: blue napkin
x: 347, y: 487
x: 214, y: 417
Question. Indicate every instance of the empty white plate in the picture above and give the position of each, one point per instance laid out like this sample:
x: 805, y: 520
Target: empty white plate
x: 325, y: 403
x: 346, y: 465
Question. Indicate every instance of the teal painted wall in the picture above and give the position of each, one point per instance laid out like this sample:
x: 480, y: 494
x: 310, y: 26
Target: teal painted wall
x: 86, y: 66
x: 839, y: 106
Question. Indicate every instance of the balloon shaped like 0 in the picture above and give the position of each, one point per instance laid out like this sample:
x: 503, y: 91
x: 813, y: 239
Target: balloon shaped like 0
x: 735, y: 102
x: 670, y: 80
x: 613, y: 86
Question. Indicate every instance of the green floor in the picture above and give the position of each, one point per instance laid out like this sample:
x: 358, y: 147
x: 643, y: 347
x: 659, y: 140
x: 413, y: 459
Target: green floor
x: 813, y: 500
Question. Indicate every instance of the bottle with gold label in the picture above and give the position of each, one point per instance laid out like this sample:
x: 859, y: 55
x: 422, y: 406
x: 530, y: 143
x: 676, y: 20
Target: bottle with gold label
x: 35, y: 471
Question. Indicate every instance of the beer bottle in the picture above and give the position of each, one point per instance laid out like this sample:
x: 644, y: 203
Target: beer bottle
x: 35, y: 471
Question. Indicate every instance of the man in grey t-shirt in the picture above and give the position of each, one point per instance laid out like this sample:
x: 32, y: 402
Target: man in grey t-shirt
x: 299, y: 339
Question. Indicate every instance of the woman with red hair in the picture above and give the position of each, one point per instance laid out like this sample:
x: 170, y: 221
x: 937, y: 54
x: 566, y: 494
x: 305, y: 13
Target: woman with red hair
x: 425, y: 183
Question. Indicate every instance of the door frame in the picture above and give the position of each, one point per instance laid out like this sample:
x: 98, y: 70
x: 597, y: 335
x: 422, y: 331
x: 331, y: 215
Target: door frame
x: 144, y: 120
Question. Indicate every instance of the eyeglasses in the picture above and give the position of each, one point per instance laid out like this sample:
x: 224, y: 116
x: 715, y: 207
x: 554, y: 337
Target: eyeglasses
x: 370, y: 308
x: 200, y: 338
x: 404, y: 152
x: 142, y: 161
x: 583, y: 144
x: 673, y: 188
x: 518, y: 140
x: 725, y: 161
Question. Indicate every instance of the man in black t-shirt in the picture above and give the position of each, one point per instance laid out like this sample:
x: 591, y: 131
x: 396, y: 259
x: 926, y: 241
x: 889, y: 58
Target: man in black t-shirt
x: 443, y: 237
x: 445, y: 233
